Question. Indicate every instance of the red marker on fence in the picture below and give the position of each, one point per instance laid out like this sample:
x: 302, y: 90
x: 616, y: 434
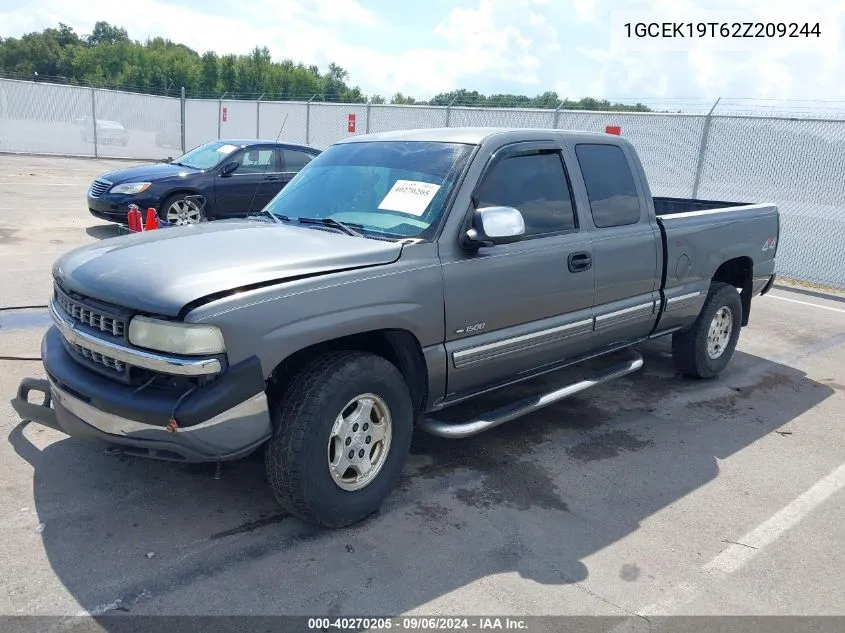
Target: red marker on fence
x: 613, y: 129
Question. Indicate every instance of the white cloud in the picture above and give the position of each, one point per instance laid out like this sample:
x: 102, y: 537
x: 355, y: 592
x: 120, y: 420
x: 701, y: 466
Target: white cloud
x: 767, y: 67
x: 585, y: 9
x: 527, y: 46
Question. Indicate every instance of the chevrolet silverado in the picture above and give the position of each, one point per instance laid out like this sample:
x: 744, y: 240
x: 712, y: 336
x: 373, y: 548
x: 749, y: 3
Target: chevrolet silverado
x: 396, y: 275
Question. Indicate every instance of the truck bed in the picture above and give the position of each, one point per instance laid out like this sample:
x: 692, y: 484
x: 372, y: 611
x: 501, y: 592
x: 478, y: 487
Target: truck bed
x: 673, y: 206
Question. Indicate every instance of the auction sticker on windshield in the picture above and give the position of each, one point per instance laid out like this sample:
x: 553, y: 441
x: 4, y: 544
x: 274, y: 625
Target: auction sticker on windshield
x: 409, y: 196
x: 226, y: 149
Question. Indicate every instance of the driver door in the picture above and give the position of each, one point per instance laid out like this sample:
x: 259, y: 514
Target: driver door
x: 512, y: 309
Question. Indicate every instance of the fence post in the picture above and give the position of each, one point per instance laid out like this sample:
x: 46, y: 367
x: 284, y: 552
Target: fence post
x: 705, y: 132
x: 449, y: 110
x: 220, y: 112
x: 308, y: 120
x: 94, y: 118
x: 258, y: 116
x: 182, y: 115
x: 557, y: 113
x: 367, y: 128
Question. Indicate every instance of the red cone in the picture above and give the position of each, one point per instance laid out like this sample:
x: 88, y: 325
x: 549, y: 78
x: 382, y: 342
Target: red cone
x: 152, y: 220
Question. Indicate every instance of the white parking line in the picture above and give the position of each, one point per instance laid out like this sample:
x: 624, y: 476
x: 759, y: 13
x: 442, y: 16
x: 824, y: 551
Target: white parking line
x: 745, y: 548
x: 807, y: 303
x: 735, y: 556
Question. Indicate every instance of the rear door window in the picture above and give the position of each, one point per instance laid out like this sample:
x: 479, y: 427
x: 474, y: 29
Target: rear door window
x: 610, y: 185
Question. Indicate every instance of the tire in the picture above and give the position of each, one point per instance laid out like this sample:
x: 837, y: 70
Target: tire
x: 306, y: 422
x: 705, y: 349
x: 195, y: 216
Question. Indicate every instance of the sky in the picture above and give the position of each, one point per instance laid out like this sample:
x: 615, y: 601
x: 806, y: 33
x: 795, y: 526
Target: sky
x: 423, y: 47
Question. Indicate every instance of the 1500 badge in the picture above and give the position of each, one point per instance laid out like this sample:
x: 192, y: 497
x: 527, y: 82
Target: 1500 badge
x: 475, y: 327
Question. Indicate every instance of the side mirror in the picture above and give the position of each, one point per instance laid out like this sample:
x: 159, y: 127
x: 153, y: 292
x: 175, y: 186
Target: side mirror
x: 495, y: 225
x: 229, y: 169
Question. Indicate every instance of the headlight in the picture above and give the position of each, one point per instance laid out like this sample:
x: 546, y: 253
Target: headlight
x: 131, y: 187
x: 177, y: 338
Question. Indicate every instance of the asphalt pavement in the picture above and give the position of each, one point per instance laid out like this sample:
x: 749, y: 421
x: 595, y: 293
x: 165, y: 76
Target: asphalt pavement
x: 654, y: 495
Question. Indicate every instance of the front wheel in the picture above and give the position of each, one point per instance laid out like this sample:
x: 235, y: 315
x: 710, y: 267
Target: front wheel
x: 707, y: 346
x: 179, y: 209
x: 342, y: 432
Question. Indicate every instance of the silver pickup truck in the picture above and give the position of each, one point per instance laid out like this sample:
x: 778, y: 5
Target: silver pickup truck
x: 396, y: 275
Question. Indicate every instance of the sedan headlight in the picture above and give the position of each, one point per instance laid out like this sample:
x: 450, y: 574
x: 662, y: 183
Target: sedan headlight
x: 131, y: 187
x: 176, y: 338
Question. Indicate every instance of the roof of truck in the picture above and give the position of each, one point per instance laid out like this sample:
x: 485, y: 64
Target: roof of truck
x: 470, y: 135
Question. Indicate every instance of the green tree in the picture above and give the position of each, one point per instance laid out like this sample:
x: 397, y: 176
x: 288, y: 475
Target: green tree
x: 400, y: 99
x: 105, y: 33
x: 210, y: 74
x: 107, y: 57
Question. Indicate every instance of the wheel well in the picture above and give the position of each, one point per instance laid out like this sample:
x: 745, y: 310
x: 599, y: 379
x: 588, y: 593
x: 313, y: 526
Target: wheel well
x: 738, y: 272
x: 400, y: 347
x: 178, y: 192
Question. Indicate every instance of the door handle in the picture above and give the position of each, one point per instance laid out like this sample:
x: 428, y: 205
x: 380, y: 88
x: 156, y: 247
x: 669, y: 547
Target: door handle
x: 579, y: 262
x: 272, y: 177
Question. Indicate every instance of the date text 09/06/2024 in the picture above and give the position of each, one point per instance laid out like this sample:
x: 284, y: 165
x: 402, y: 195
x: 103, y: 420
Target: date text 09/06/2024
x: 418, y: 623
x: 721, y: 29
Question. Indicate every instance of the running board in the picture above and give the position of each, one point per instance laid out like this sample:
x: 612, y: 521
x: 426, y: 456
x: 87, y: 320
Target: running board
x: 454, y: 430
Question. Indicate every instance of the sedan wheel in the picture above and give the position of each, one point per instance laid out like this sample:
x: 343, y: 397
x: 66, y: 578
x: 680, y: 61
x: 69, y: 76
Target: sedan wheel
x: 181, y: 212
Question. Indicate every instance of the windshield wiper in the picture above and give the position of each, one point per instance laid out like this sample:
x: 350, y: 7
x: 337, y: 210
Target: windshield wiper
x: 335, y: 224
x: 274, y: 216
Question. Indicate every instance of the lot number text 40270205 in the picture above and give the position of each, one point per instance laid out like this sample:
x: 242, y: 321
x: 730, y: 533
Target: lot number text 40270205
x: 721, y: 29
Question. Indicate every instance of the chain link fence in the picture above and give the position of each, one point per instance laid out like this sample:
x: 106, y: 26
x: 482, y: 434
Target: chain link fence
x: 793, y: 161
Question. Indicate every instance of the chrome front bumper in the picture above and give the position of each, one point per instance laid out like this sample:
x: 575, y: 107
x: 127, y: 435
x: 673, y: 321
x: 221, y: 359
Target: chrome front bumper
x: 229, y: 435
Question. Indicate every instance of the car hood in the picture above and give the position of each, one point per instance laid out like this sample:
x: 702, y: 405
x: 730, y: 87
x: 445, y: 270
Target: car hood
x: 161, y: 271
x: 142, y: 173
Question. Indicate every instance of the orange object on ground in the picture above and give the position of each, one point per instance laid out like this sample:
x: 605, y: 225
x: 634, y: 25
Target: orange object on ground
x: 152, y: 220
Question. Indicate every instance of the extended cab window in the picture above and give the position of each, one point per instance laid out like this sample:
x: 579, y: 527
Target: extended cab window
x: 610, y: 185
x: 536, y: 184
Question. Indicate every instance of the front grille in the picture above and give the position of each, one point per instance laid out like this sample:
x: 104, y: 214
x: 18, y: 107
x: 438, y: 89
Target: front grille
x: 99, y: 187
x: 96, y: 357
x: 91, y: 317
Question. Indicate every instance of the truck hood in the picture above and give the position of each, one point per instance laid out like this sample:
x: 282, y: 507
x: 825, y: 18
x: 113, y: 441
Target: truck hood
x: 161, y: 271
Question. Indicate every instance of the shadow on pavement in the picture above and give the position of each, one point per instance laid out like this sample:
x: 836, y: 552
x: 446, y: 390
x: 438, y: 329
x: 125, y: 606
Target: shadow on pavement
x: 536, y: 497
x: 103, y: 231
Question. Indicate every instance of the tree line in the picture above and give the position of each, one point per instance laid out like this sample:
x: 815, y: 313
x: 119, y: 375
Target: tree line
x: 108, y: 58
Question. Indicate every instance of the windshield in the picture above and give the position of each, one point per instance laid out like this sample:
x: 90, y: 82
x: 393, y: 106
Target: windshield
x: 206, y: 156
x: 394, y: 188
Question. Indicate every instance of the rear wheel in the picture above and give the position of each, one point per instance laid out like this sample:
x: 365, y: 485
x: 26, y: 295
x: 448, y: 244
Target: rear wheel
x: 179, y: 210
x: 341, y: 436
x: 707, y: 346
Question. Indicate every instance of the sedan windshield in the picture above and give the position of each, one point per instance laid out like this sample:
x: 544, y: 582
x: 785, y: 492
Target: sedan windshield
x: 206, y: 156
x: 393, y: 188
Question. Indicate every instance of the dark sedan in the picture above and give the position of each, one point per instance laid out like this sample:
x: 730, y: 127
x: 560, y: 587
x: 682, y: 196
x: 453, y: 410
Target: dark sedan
x: 235, y: 177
